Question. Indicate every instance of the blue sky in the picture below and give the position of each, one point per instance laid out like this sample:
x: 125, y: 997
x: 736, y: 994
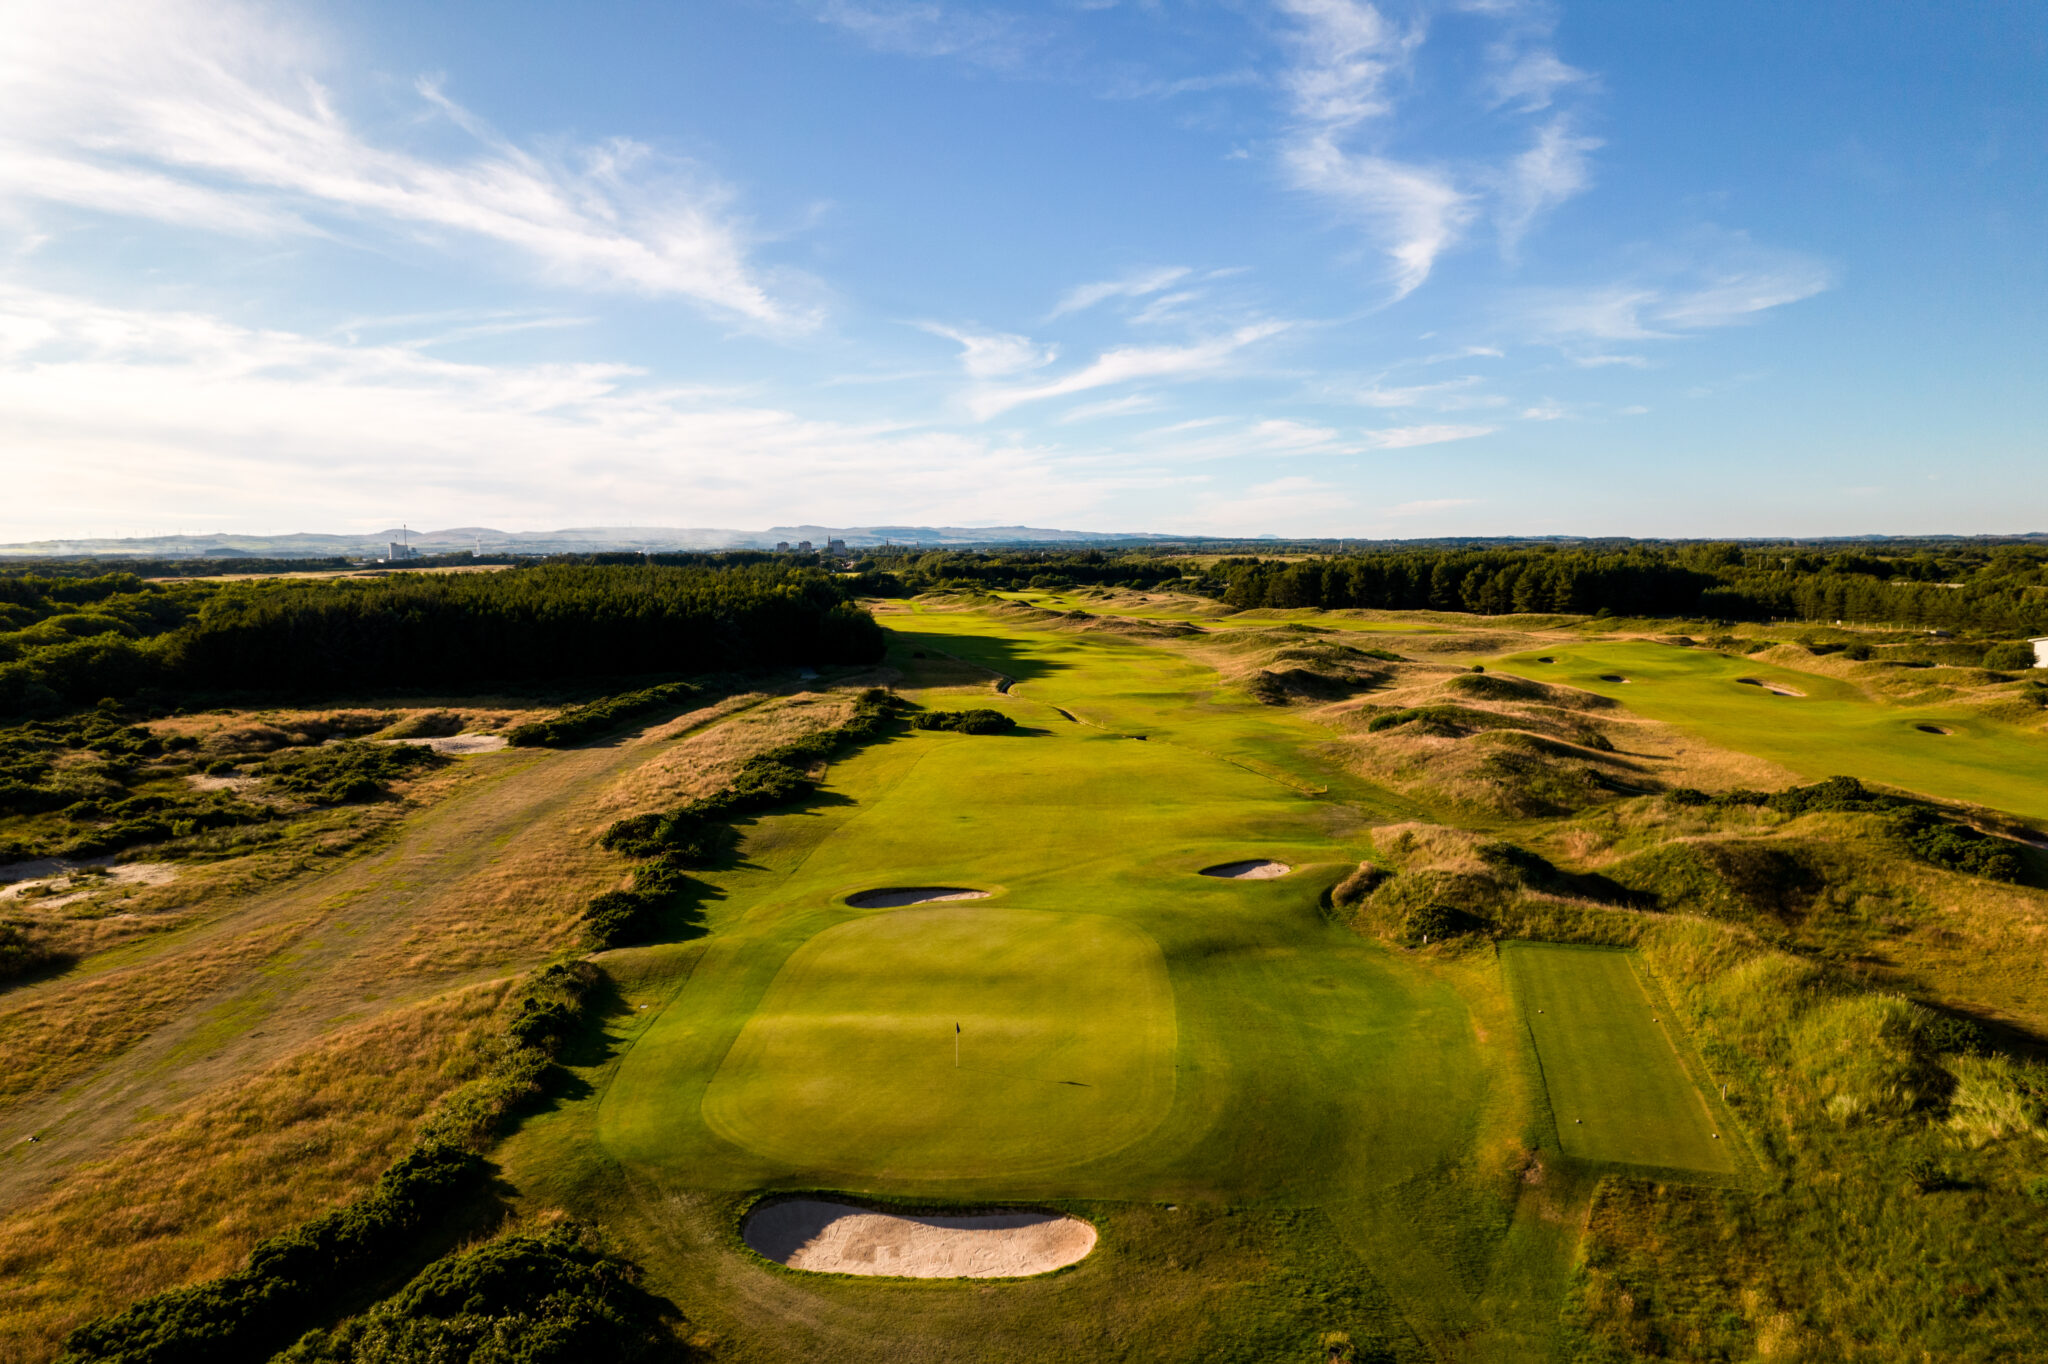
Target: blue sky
x: 1311, y: 267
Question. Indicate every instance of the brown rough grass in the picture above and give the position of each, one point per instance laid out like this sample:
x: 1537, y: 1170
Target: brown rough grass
x: 188, y: 1197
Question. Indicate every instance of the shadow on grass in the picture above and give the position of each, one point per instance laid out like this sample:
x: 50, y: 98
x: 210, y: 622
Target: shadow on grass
x: 994, y: 653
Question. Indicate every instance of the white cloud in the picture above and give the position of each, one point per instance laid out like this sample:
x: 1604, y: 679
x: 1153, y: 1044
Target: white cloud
x: 1447, y: 395
x: 1550, y: 172
x: 1546, y: 411
x: 1729, y: 286
x: 925, y: 28
x: 1112, y: 407
x: 1128, y: 363
x: 1408, y: 437
x: 992, y: 355
x: 223, y: 425
x: 1349, y: 52
x: 1415, y: 212
x: 212, y: 116
x: 1137, y: 284
x: 1530, y: 79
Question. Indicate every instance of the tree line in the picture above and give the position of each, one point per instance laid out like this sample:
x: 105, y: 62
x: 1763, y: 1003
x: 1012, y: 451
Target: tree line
x: 71, y: 641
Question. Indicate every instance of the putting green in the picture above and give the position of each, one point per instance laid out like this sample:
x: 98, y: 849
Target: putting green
x: 1065, y: 1049
x: 1833, y: 729
x: 1618, y: 1090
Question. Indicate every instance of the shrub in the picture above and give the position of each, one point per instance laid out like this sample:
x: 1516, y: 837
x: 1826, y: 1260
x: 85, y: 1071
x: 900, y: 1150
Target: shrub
x: 554, y: 1297
x: 2009, y: 657
x: 341, y: 773
x: 609, y: 712
x: 981, y: 721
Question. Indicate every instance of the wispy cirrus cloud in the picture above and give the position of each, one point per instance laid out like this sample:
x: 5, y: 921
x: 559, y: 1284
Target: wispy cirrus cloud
x: 928, y: 28
x: 991, y: 355
x: 1127, y: 364
x: 1553, y: 170
x: 213, y: 117
x: 1136, y: 284
x: 1352, y: 68
x: 1719, y: 279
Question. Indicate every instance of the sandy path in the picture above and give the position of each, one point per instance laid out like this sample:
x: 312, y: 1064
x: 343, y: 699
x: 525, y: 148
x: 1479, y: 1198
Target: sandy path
x: 840, y: 1238
x: 1258, y: 869
x: 914, y: 895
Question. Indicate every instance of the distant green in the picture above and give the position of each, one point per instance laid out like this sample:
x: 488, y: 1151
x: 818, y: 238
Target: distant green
x: 1833, y: 729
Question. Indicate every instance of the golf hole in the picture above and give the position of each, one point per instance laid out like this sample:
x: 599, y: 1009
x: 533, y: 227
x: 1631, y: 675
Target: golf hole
x: 1258, y: 869
x: 843, y: 1238
x: 896, y: 897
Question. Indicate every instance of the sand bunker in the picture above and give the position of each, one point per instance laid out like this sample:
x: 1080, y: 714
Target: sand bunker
x: 1774, y: 688
x: 839, y: 1238
x: 1933, y: 729
x: 1258, y: 869
x: 898, y: 897
x: 1612, y: 677
x: 456, y: 743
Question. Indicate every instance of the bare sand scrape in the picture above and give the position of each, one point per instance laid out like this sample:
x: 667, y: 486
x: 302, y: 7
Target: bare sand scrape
x: 898, y: 896
x: 1258, y: 869
x: 51, y: 883
x: 841, y: 1238
x: 456, y: 743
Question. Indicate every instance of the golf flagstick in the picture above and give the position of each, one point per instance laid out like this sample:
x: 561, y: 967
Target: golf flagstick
x: 956, y: 1046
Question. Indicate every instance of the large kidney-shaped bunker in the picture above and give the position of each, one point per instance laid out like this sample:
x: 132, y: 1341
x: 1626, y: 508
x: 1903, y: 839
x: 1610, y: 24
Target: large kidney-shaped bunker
x: 953, y: 1042
x: 841, y: 1238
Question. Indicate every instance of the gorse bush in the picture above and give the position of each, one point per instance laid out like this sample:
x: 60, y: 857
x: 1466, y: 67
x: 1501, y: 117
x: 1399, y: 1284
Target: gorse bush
x: 982, y: 721
x: 552, y: 1297
x: 351, y: 770
x: 610, y: 712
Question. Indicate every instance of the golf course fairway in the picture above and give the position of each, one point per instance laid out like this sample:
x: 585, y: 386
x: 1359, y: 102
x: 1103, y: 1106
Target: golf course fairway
x: 1833, y: 728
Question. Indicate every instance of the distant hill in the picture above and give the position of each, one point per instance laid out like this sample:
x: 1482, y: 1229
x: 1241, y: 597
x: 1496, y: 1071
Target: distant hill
x: 575, y: 540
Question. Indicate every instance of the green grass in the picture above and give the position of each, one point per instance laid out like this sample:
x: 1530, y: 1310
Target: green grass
x: 1262, y: 617
x: 1618, y: 1090
x: 1835, y: 728
x: 1339, y: 1122
x: 849, y: 1063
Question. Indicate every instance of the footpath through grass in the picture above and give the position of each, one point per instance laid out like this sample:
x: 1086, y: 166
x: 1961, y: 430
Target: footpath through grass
x: 1834, y: 728
x: 1617, y: 1087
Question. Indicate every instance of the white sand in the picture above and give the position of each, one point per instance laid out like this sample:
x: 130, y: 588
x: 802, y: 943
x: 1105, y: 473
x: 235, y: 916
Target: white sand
x: 911, y: 895
x: 1774, y: 688
x: 1256, y: 870
x: 457, y: 743
x: 69, y: 887
x: 840, y: 1238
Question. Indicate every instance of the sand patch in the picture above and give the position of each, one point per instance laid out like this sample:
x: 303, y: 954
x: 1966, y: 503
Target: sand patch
x: 1933, y: 729
x: 1258, y: 869
x: 1774, y: 688
x: 899, y: 896
x: 840, y: 1238
x: 456, y: 744
x: 50, y: 884
x: 1612, y: 677
x: 199, y: 781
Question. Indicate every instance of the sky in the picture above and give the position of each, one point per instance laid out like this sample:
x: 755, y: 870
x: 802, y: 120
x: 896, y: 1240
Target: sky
x: 1215, y: 267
